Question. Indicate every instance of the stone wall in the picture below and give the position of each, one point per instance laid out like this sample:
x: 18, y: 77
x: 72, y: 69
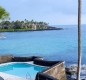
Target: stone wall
x: 5, y: 59
x: 57, y: 71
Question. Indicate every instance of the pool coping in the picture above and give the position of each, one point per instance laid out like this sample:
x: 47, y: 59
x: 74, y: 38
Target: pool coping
x: 30, y: 62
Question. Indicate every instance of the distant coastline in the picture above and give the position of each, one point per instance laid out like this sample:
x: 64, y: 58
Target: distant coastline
x: 24, y: 30
x: 20, y: 26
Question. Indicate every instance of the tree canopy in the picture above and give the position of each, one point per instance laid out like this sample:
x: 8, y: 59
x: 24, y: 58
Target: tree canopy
x: 3, y: 14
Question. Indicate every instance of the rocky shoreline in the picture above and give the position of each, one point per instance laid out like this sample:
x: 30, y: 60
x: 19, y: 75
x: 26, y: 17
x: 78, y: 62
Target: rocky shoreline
x: 54, y: 28
x: 72, y: 71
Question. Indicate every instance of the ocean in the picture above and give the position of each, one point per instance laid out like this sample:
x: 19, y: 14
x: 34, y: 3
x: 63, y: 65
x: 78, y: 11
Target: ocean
x: 52, y: 44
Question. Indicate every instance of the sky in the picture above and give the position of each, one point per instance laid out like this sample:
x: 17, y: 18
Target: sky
x: 54, y: 12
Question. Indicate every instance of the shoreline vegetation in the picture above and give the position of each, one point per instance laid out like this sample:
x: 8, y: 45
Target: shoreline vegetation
x: 20, y: 26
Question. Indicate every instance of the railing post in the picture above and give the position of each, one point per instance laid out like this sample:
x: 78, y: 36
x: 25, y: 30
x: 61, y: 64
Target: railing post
x: 79, y: 40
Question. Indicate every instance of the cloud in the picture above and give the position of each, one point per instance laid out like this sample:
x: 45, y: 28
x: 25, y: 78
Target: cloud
x: 52, y: 11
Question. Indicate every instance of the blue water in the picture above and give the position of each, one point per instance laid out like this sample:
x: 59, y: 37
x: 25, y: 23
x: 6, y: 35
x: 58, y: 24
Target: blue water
x: 52, y: 45
x: 22, y: 69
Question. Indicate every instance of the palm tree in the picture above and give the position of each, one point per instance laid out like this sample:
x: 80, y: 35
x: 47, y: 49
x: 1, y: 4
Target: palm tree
x: 3, y: 14
x: 79, y: 40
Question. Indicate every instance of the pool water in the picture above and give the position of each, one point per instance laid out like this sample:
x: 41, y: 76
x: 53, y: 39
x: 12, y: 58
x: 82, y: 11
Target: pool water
x: 21, y: 69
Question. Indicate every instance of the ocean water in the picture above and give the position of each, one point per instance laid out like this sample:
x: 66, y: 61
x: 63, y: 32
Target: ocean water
x: 52, y: 45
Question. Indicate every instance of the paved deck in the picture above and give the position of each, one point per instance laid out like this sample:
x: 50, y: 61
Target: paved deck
x: 10, y: 77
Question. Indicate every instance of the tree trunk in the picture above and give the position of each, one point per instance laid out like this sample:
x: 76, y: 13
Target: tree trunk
x: 79, y: 40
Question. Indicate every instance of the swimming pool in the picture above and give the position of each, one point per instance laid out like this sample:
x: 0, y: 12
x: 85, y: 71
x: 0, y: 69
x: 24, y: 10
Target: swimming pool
x: 22, y: 69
